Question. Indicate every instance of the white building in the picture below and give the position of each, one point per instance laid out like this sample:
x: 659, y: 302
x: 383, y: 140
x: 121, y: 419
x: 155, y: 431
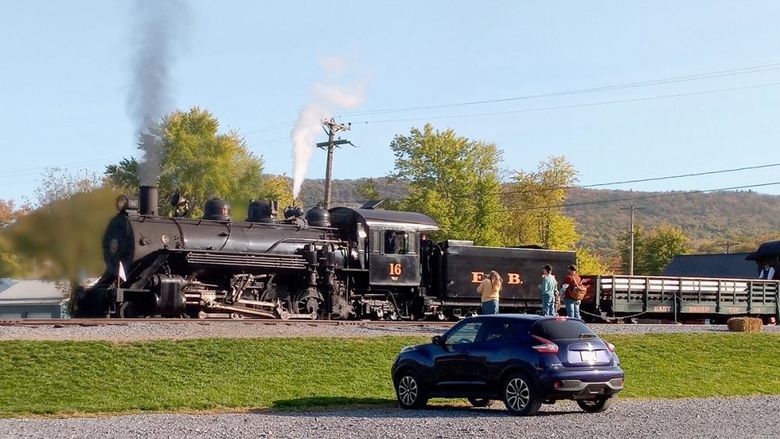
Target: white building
x: 30, y: 299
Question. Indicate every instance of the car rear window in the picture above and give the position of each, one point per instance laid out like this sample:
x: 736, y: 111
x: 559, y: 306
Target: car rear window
x: 559, y: 329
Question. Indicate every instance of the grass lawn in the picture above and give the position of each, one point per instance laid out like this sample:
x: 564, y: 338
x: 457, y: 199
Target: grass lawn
x: 73, y: 377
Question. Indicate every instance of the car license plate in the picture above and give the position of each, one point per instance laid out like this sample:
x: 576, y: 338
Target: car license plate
x: 588, y: 356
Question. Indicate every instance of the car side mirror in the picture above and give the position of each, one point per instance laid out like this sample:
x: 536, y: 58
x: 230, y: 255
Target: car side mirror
x: 437, y: 339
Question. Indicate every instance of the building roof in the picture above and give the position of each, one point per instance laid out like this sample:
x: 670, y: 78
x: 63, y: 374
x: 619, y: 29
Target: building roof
x: 25, y: 292
x: 730, y: 265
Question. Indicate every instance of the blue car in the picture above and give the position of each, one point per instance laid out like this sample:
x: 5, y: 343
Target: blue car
x: 524, y: 360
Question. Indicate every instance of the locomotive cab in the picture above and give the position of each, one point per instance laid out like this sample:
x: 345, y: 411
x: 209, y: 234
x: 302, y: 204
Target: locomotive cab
x: 387, y: 243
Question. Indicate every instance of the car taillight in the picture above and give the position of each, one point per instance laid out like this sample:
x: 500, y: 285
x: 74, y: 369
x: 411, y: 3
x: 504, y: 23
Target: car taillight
x: 546, y: 346
x: 610, y: 346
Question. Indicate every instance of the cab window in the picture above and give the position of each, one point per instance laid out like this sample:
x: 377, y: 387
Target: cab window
x: 396, y: 242
x: 467, y: 333
x: 376, y: 241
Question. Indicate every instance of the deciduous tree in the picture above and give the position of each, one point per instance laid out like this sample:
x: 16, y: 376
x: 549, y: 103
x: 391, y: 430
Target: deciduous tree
x: 9, y: 262
x: 198, y: 162
x: 534, y: 199
x: 453, y: 179
x: 590, y: 263
x: 654, y: 249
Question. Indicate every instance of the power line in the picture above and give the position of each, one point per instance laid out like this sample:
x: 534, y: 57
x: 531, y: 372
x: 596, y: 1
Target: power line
x: 640, y: 180
x: 288, y: 124
x: 642, y: 197
x: 572, y: 106
x: 86, y: 164
x: 612, y: 183
x: 620, y: 86
x: 637, y: 198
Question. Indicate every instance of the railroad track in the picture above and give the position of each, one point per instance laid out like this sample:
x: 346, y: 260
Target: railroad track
x: 119, y: 322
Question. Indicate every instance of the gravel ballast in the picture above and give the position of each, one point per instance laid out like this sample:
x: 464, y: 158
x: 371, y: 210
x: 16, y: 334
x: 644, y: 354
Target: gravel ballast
x: 689, y: 418
x: 138, y: 331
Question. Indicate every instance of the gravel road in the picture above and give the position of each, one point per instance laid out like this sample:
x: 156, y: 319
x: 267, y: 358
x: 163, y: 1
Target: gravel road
x: 690, y: 418
x: 203, y: 329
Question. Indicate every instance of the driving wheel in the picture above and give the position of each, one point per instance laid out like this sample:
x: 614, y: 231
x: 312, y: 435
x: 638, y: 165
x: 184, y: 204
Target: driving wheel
x: 309, y: 302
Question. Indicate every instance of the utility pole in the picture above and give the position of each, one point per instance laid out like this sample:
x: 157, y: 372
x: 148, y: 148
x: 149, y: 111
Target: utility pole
x: 728, y: 245
x: 331, y: 128
x: 633, y: 209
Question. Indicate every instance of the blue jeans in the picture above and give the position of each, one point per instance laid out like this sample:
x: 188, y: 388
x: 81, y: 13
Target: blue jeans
x: 572, y: 307
x: 490, y: 307
x: 548, y: 305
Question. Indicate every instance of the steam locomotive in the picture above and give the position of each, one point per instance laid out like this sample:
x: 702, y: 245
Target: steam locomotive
x: 341, y: 263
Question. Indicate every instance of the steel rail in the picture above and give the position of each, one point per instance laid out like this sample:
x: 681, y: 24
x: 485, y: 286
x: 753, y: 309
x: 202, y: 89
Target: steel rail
x: 250, y: 321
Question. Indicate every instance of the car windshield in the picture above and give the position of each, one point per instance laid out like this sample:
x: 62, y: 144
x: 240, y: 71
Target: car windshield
x: 559, y: 329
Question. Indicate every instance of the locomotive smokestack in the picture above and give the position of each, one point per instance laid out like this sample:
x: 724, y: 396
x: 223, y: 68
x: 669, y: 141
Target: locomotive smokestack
x: 148, y: 201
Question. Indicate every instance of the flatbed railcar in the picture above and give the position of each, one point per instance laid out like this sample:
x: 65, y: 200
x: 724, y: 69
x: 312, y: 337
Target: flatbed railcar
x: 611, y: 297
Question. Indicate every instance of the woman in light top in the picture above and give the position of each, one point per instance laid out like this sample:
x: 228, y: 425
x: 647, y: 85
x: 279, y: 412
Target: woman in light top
x: 489, y: 289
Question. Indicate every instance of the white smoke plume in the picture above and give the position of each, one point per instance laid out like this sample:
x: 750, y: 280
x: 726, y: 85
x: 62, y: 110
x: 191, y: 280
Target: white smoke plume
x: 328, y: 95
x: 156, y: 39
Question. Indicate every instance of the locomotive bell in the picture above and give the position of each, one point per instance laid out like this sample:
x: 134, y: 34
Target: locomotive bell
x: 216, y: 209
x: 318, y: 217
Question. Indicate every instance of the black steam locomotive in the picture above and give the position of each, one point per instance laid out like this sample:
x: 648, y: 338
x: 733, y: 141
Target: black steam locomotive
x: 339, y: 264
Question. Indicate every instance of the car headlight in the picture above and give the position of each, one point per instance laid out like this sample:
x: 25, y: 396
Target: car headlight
x: 406, y: 349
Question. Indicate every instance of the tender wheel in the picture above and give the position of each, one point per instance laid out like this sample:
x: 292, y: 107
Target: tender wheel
x: 409, y: 391
x: 595, y: 405
x: 479, y: 402
x: 519, y: 396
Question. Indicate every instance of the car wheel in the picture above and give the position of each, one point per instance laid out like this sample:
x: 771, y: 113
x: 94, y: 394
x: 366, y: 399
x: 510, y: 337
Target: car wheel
x: 595, y: 405
x: 479, y: 402
x: 519, y: 396
x: 409, y: 391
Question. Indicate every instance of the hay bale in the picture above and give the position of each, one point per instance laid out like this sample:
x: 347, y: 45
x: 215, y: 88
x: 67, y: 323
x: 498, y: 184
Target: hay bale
x: 745, y: 324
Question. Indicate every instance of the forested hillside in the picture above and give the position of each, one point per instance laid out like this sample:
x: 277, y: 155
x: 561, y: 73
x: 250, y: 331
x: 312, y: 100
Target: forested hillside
x: 716, y: 217
x: 707, y: 219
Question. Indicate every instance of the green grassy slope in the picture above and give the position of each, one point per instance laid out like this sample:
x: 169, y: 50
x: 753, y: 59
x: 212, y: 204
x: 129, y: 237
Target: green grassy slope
x: 74, y: 377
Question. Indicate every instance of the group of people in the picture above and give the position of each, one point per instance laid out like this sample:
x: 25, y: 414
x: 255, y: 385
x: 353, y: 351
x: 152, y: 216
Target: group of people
x: 490, y: 291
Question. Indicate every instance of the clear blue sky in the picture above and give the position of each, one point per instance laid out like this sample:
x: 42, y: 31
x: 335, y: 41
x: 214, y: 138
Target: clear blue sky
x: 65, y: 75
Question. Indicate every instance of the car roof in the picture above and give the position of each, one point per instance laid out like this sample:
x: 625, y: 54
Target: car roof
x: 523, y: 317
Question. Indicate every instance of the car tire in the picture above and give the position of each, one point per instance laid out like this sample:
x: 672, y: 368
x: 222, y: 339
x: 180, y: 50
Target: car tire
x: 479, y: 402
x: 409, y: 390
x: 595, y: 405
x: 520, y: 396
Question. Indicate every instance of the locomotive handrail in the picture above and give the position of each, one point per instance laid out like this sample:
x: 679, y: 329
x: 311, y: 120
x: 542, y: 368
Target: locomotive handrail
x: 301, y: 240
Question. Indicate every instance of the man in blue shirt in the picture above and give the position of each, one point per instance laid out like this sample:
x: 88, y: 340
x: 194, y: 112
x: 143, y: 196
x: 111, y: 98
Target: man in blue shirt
x: 548, y: 288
